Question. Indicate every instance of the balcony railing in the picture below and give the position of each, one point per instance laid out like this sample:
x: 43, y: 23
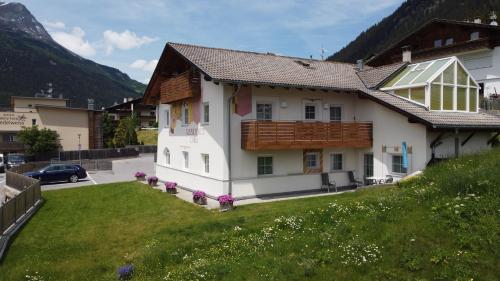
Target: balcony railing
x: 182, y: 86
x: 272, y: 135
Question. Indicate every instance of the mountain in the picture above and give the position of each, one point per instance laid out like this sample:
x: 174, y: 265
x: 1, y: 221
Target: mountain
x: 407, y: 18
x: 32, y: 62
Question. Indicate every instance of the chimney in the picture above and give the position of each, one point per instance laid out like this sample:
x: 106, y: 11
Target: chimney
x: 477, y: 20
x: 90, y: 104
x: 360, y: 64
x: 406, y: 54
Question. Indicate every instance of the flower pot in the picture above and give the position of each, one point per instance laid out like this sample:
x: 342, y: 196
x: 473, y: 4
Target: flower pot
x: 140, y: 178
x: 153, y: 183
x: 226, y: 207
x: 171, y: 191
x: 200, y: 201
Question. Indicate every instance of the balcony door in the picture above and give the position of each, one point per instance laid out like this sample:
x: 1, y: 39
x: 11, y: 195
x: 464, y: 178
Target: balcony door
x: 311, y: 110
x: 264, y: 111
x: 368, y: 165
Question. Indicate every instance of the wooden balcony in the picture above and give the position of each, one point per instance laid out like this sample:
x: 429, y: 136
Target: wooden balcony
x: 273, y: 135
x: 183, y: 86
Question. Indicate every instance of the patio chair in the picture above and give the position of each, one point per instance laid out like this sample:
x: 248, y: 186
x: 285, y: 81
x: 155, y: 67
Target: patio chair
x: 388, y: 179
x: 353, y: 181
x: 325, y: 181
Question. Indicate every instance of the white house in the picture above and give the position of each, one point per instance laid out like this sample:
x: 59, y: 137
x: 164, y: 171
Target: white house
x: 252, y: 124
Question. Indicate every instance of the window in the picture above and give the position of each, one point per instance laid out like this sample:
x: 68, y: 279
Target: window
x: 474, y: 35
x: 335, y: 113
x: 310, y: 111
x: 264, y: 165
x: 368, y: 165
x: 206, y: 113
x: 167, y: 118
x: 206, y: 163
x: 185, y: 114
x: 33, y: 122
x: 336, y: 162
x: 438, y: 43
x: 312, y: 160
x: 167, y: 156
x: 448, y: 42
x: 185, y: 155
x: 11, y: 138
x: 264, y: 111
x: 397, y: 164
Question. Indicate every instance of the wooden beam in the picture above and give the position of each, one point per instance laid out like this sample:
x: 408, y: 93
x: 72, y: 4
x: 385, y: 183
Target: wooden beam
x: 434, y: 143
x: 493, y: 138
x: 468, y: 138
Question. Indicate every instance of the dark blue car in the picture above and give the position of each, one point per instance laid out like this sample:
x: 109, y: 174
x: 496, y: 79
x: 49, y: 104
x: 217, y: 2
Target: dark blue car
x: 59, y: 172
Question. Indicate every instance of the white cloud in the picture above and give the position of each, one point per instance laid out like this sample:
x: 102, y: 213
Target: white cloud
x: 74, y: 41
x: 148, y: 66
x: 54, y: 24
x: 125, y: 40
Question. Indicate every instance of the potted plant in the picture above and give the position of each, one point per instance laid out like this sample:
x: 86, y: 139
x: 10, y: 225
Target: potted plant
x: 225, y: 202
x: 171, y: 187
x: 125, y: 272
x: 199, y: 197
x: 152, y: 181
x: 140, y: 176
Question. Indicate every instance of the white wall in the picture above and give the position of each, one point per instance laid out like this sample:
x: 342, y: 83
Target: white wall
x: 484, y: 66
x: 476, y: 144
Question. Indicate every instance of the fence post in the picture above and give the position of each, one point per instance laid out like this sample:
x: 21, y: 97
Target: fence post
x: 1, y: 220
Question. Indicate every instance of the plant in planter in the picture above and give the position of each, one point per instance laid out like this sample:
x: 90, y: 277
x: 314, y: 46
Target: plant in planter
x: 199, y: 197
x: 152, y: 181
x: 226, y: 202
x: 125, y: 272
x: 171, y: 187
x: 140, y: 176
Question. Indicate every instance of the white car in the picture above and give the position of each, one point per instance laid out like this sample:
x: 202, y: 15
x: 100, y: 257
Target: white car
x: 2, y: 164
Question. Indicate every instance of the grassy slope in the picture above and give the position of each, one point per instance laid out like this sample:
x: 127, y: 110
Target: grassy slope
x: 148, y: 137
x: 428, y: 230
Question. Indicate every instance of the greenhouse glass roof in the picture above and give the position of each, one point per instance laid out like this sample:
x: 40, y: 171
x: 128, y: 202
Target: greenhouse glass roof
x: 418, y: 74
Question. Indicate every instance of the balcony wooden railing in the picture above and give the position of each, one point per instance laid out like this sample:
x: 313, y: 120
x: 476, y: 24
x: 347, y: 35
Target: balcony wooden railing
x: 263, y: 135
x: 182, y: 86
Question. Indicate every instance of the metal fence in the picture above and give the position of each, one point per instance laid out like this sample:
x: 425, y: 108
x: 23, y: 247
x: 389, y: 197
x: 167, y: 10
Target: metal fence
x: 15, y: 211
x: 490, y: 104
x: 86, y: 154
x: 144, y: 148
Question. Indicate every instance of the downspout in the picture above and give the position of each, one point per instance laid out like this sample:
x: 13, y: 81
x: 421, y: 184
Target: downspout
x: 229, y: 102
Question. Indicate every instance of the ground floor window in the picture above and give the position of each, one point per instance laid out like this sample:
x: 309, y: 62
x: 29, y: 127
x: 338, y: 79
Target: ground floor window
x: 206, y: 163
x: 397, y: 164
x: 185, y: 156
x: 167, y: 156
x: 368, y: 165
x: 312, y: 161
x: 264, y: 165
x: 336, y: 162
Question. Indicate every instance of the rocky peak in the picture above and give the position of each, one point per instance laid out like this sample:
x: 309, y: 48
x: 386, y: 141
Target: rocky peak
x: 15, y: 17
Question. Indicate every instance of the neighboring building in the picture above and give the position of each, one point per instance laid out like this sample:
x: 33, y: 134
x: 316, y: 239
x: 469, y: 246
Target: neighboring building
x: 476, y: 45
x: 252, y: 124
x: 146, y: 113
x: 76, y: 126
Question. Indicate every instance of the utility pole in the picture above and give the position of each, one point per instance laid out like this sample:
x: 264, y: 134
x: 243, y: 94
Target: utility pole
x: 80, y: 148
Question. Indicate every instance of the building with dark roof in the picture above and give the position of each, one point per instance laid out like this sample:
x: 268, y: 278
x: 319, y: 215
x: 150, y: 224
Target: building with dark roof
x: 145, y: 113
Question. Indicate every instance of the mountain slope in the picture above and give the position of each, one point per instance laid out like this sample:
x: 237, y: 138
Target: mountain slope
x: 31, y: 62
x: 407, y: 18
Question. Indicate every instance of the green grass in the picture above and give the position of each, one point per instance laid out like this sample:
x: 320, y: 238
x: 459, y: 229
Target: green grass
x: 444, y: 225
x: 148, y: 137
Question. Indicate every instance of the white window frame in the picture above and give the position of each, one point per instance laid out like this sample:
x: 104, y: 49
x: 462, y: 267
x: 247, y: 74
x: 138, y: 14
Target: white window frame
x: 167, y: 154
x: 317, y: 156
x: 264, y: 103
x: 341, y: 112
x: 185, y: 159
x: 316, y: 111
x: 272, y: 165
x: 332, y: 161
x: 206, y: 113
x: 206, y: 163
x: 392, y: 165
x: 474, y: 36
x: 185, y: 114
x: 167, y: 117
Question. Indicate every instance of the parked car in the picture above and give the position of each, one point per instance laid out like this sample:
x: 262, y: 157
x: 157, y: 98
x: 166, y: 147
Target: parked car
x: 15, y: 159
x: 59, y: 172
x: 2, y: 164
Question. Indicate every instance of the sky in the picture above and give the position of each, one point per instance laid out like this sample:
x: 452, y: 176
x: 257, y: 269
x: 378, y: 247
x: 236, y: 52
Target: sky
x: 130, y: 35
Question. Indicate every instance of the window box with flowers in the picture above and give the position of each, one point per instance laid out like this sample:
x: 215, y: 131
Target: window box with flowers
x: 152, y: 181
x: 171, y: 187
x: 140, y: 176
x: 199, y: 197
x: 225, y: 202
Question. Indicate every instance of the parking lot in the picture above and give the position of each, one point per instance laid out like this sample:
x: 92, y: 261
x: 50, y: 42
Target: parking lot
x: 123, y: 170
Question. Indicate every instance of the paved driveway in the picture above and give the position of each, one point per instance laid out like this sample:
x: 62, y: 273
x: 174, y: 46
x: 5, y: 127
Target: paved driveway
x: 123, y: 170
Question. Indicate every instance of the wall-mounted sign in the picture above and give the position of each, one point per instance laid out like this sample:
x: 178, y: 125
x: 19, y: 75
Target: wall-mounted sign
x: 13, y: 119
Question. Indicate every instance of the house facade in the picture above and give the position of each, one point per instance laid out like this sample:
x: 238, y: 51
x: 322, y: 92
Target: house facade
x: 146, y: 114
x: 252, y: 124
x: 476, y: 44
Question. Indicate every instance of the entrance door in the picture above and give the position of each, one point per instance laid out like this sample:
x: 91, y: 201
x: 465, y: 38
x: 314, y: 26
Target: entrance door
x: 368, y: 165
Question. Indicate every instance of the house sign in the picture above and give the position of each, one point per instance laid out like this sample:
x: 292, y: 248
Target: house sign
x: 12, y: 119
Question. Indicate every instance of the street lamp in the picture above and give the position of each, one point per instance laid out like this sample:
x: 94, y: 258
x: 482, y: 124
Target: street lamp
x: 79, y: 149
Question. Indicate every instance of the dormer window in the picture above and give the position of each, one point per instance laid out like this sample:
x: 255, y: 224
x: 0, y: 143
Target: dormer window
x: 449, y: 42
x: 438, y: 43
x: 474, y: 36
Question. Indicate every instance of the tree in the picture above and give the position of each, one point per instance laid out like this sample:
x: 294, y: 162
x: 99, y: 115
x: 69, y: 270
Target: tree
x: 108, y: 130
x: 39, y: 141
x: 125, y: 133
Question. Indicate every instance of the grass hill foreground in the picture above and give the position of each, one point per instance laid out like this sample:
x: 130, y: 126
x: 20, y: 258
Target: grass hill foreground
x: 443, y: 225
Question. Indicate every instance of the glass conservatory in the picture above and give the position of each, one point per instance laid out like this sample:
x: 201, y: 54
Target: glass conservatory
x: 442, y: 84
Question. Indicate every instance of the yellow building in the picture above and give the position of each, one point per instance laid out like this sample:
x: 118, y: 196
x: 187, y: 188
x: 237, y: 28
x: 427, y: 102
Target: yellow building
x: 78, y: 128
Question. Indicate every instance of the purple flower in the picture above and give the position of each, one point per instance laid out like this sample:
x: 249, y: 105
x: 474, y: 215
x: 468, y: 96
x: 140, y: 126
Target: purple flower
x: 197, y: 195
x: 140, y: 174
x: 152, y: 179
x: 225, y: 199
x: 170, y: 185
x: 125, y: 272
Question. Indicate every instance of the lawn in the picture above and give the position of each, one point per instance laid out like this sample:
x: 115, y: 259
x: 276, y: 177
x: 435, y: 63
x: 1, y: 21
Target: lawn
x: 442, y: 226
